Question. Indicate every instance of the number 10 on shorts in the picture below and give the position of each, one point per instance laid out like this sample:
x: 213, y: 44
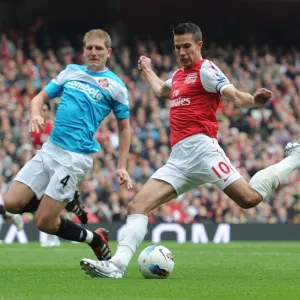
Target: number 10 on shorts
x: 222, y: 168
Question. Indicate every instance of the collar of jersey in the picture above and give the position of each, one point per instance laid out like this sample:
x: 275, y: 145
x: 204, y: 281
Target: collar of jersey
x: 193, y: 65
x: 95, y: 73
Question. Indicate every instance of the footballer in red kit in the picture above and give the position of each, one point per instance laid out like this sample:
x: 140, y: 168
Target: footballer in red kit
x: 38, y: 138
x: 194, y: 92
x: 194, y: 99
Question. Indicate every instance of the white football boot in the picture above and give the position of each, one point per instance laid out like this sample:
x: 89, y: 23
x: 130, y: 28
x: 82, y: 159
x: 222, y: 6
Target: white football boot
x: 104, y: 268
x: 293, y: 149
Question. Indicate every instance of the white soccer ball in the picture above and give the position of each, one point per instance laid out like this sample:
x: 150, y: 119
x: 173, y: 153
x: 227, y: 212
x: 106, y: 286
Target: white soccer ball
x: 156, y: 262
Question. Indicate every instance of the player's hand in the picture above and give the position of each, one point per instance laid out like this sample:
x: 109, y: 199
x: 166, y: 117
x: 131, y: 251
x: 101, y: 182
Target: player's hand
x: 262, y: 96
x: 36, y: 123
x: 123, y: 177
x: 144, y: 63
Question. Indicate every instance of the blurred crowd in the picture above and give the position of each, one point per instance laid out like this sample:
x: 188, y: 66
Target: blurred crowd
x: 252, y: 139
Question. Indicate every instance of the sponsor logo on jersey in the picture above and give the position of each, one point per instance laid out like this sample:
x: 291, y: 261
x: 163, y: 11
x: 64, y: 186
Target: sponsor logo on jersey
x: 191, y: 78
x: 220, y: 77
x: 92, y: 92
x: 176, y: 93
x: 103, y: 83
x: 180, y: 102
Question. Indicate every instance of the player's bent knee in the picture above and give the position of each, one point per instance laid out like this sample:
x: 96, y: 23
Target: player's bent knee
x: 12, y: 206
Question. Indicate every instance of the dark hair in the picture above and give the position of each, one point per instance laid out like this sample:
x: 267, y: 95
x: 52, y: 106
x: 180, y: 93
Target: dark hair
x: 184, y: 28
x: 47, y: 103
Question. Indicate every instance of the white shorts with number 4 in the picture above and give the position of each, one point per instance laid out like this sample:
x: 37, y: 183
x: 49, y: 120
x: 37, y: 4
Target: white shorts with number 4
x: 196, y: 160
x: 55, y: 172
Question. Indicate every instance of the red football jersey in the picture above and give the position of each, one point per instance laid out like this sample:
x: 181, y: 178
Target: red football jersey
x: 195, y: 97
x: 38, y: 139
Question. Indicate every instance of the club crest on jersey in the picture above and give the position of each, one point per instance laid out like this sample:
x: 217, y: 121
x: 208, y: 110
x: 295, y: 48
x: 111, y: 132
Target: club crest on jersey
x: 191, y: 78
x: 176, y: 93
x: 103, y: 83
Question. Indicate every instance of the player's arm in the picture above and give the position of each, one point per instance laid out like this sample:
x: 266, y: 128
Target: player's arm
x: 215, y: 81
x: 121, y: 111
x: 37, y: 121
x: 246, y: 100
x: 37, y: 102
x: 53, y: 89
x: 124, y: 144
x: 159, y: 87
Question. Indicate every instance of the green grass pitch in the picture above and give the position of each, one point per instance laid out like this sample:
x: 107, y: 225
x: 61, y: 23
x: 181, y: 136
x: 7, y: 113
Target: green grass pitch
x: 238, y: 270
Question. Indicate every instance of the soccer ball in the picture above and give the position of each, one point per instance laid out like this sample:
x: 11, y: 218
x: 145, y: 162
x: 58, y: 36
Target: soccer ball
x: 156, y: 262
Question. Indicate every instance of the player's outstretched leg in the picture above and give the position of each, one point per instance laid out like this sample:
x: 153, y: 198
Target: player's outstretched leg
x: 49, y: 221
x: 134, y: 231
x: 73, y: 206
x: 268, y: 179
x: 97, y: 240
x: 132, y: 235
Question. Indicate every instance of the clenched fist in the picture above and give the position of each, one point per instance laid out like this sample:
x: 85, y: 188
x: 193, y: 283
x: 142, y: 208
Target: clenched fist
x: 262, y: 96
x: 144, y: 63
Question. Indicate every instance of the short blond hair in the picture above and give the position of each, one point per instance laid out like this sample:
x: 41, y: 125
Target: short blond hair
x: 99, y: 33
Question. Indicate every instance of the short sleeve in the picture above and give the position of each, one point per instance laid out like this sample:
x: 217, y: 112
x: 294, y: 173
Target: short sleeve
x: 121, y: 103
x: 169, y: 83
x: 55, y: 86
x: 212, y: 78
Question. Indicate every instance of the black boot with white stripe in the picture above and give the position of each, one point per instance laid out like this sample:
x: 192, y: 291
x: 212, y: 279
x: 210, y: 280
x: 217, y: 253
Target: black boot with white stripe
x: 75, y: 207
x: 101, y: 249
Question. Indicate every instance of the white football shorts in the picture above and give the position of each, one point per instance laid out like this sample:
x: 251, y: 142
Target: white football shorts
x: 55, y: 172
x: 196, y: 160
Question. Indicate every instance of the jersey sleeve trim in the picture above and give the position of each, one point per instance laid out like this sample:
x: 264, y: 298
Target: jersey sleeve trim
x: 169, y: 81
x: 53, y: 89
x: 223, y: 88
x: 212, y: 78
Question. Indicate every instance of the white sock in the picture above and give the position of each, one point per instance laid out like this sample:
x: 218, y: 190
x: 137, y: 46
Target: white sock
x: 132, y: 235
x: 268, y: 179
x: 89, y: 237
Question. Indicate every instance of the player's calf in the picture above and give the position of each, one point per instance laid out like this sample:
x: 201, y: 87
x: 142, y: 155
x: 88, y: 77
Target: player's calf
x: 243, y: 194
x: 47, y: 223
